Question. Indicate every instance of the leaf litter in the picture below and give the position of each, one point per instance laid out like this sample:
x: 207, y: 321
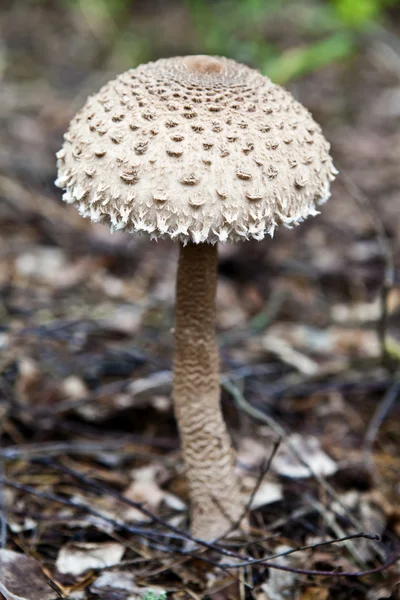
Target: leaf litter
x: 93, y: 498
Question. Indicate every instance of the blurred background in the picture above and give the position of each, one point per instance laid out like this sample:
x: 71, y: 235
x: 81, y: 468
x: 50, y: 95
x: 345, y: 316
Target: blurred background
x: 305, y: 330
x: 341, y: 58
x: 338, y: 56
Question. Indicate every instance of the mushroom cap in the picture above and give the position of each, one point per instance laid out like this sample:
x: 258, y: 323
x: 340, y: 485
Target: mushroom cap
x: 195, y: 148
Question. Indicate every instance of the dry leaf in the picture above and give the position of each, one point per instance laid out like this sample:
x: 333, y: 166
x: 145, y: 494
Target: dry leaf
x: 315, y: 593
x: 308, y: 448
x: 289, y: 355
x: 267, y: 492
x: 381, y: 592
x: 75, y: 559
x: 120, y: 581
x: 146, y: 491
x: 281, y: 584
x: 43, y: 264
x: 253, y: 452
x: 21, y: 578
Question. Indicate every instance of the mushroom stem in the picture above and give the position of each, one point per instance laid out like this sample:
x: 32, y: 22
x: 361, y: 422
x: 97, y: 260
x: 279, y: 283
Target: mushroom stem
x: 215, y: 497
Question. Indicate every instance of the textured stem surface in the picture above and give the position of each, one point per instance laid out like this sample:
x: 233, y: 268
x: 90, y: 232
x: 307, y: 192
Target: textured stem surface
x: 209, y: 457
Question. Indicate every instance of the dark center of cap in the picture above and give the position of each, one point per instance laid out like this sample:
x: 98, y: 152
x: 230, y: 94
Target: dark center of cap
x: 206, y: 65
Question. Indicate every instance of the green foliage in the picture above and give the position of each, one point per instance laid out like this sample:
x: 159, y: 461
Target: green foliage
x: 360, y: 13
x: 320, y: 32
x: 102, y: 8
x: 237, y: 28
x: 300, y: 60
x: 233, y: 27
x: 150, y: 595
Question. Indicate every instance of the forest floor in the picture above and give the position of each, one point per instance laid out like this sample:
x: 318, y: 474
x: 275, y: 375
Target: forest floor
x: 310, y: 349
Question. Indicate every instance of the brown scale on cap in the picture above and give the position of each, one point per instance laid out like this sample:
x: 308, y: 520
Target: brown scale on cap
x: 202, y: 150
x: 236, y: 114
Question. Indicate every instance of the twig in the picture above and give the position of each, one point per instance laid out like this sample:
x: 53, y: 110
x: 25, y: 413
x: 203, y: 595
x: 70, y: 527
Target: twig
x: 259, y: 322
x: 306, y: 388
x: 154, y: 518
x: 73, y: 503
x: 247, y: 561
x: 379, y: 416
x: 330, y: 518
x: 61, y: 448
x: 263, y: 471
x: 280, y: 430
x: 3, y: 515
x: 153, y: 382
x: 296, y: 514
x: 389, y: 273
x: 344, y: 539
x: 245, y: 406
x: 271, y: 565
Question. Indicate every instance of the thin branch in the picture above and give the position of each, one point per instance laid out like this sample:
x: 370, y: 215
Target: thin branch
x: 263, y: 471
x: 365, y: 204
x: 379, y: 416
x: 247, y: 561
x: 73, y: 503
x: 346, y: 538
x: 245, y: 406
x: 22, y: 451
x: 331, y: 520
x: 3, y: 514
x: 154, y: 518
x: 271, y: 565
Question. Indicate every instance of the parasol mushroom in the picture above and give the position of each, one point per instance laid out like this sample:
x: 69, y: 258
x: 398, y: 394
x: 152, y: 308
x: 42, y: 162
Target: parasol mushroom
x: 200, y: 150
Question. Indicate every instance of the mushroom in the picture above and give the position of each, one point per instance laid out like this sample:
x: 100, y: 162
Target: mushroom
x: 200, y: 150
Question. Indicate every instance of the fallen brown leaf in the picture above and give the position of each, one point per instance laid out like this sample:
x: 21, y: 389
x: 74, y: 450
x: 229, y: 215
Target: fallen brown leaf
x: 21, y: 578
